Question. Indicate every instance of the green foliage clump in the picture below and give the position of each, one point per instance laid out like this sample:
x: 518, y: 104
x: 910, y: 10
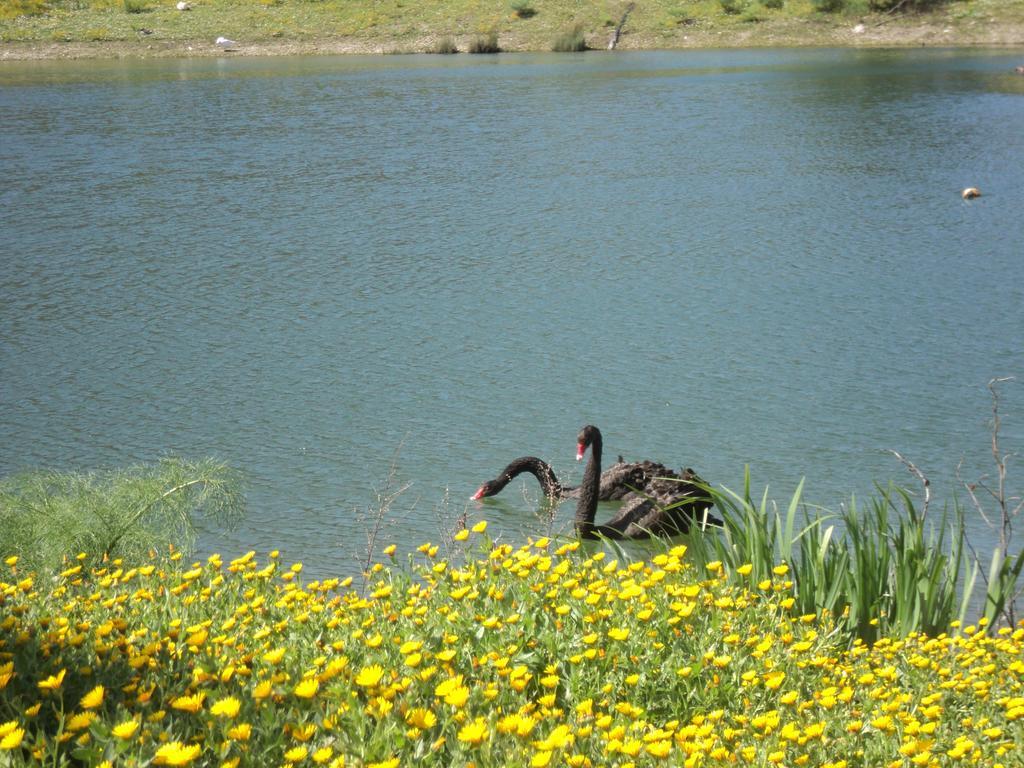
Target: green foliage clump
x: 905, y: 5
x: 135, y: 6
x: 485, y: 43
x: 12, y: 9
x: 828, y: 6
x: 733, y: 7
x: 773, y: 4
x: 571, y: 41
x: 883, y: 570
x: 46, y: 516
x: 445, y: 46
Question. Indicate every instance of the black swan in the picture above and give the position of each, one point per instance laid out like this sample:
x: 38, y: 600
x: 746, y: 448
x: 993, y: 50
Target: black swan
x: 620, y: 481
x: 670, y: 509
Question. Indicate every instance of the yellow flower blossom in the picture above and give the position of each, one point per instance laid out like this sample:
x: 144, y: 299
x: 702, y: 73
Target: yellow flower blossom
x: 475, y: 732
x: 307, y: 688
x: 12, y: 738
x: 226, y: 707
x: 192, y: 703
x: 176, y: 753
x: 53, y: 682
x: 296, y: 754
x: 125, y: 729
x: 370, y: 677
x: 421, y: 718
x: 93, y: 698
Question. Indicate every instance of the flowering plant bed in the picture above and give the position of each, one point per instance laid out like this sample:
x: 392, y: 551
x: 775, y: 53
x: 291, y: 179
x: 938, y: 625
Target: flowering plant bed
x: 490, y: 656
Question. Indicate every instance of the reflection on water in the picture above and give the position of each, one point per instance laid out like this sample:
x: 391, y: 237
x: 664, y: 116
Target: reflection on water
x: 306, y: 265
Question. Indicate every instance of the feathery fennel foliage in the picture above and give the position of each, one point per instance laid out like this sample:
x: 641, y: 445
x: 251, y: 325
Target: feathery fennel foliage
x: 47, y: 515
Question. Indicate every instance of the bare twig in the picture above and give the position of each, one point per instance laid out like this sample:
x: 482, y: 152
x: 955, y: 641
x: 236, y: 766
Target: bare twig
x: 1007, y: 507
x: 376, y: 518
x: 920, y: 476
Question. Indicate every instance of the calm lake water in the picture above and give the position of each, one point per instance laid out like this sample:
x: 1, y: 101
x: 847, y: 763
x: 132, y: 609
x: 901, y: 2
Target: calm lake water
x: 317, y: 268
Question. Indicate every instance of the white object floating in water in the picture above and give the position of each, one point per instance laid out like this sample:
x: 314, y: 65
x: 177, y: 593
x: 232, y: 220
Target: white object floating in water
x: 970, y: 192
x: 223, y: 42
x: 858, y: 29
x: 183, y: 6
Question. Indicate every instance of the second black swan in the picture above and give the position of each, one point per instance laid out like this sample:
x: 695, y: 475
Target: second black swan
x: 670, y: 508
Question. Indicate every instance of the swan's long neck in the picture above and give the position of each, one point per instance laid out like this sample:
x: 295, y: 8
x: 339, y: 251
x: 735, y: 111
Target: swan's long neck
x: 538, y: 468
x: 586, y: 509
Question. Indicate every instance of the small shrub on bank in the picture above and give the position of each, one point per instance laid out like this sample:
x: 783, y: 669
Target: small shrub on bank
x: 135, y: 6
x: 572, y: 41
x: 446, y: 46
x: 733, y: 7
x: 773, y: 4
x: 523, y: 9
x: 829, y: 6
x: 485, y: 44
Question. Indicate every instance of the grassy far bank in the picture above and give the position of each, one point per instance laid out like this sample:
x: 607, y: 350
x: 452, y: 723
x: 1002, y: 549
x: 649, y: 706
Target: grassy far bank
x: 56, y: 28
x: 538, y: 655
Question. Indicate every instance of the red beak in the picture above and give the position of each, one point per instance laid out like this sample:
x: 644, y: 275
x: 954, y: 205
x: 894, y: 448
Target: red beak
x: 478, y: 495
x: 580, y: 448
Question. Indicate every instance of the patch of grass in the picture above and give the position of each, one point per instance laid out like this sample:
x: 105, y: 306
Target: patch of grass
x: 485, y: 43
x: 773, y: 4
x: 385, y: 24
x: 571, y: 41
x: 136, y: 6
x: 733, y: 7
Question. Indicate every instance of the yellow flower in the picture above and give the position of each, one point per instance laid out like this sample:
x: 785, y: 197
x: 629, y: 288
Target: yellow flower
x: 125, y: 730
x: 12, y: 739
x: 475, y: 732
x: 93, y: 698
x: 307, y: 688
x: 560, y: 737
x: 240, y: 732
x: 774, y: 679
x: 262, y: 690
x: 659, y: 748
x: 53, y: 682
x: 541, y: 759
x: 480, y: 527
x: 226, y: 707
x: 274, y: 656
x: 392, y: 763
x: 370, y: 676
x: 457, y: 697
x: 80, y: 721
x: 618, y: 633
x: 421, y: 718
x: 744, y: 570
x: 175, y: 753
x: 390, y: 550
x: 322, y: 755
x: 296, y: 754
x: 780, y: 570
x: 192, y: 703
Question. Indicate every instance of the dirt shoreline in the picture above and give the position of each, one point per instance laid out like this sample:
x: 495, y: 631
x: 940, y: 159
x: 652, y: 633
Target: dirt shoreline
x: 868, y: 33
